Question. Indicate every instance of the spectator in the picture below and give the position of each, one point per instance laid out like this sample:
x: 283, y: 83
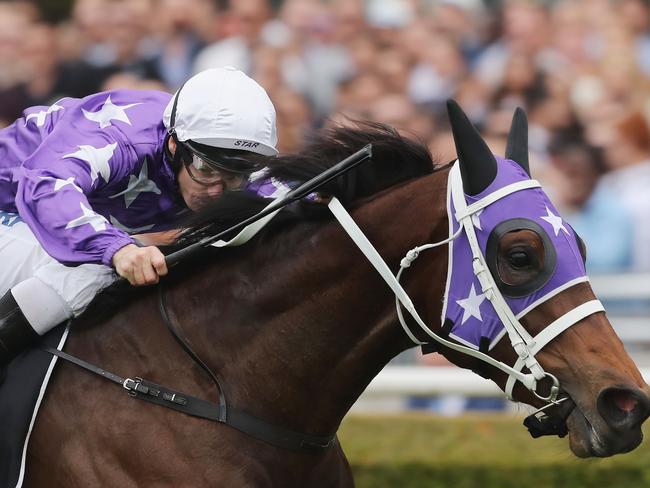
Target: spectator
x: 179, y: 40
x: 595, y: 212
x: 574, y: 66
x: 627, y: 147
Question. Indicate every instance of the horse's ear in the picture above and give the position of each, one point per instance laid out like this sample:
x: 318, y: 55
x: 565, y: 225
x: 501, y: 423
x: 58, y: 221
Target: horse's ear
x: 517, y: 148
x: 478, y: 167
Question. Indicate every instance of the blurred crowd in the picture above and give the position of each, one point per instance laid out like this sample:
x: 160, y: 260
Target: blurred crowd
x: 580, y: 68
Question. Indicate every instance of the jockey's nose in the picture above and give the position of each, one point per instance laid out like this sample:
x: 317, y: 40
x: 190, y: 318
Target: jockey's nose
x: 215, y: 189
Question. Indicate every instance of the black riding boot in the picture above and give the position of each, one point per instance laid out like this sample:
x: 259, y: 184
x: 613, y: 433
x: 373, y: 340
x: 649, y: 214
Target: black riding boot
x: 15, y: 332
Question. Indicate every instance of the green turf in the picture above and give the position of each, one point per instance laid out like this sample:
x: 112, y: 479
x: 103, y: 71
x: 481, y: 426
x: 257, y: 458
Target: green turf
x: 412, y: 451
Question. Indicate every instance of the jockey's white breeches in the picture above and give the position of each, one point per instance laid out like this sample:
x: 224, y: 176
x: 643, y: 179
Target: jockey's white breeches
x: 37, y: 280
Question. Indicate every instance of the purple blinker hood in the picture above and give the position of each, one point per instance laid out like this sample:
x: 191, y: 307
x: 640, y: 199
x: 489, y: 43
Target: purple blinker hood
x: 466, y: 306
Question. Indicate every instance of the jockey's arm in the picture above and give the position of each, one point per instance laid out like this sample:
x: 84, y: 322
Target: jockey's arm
x: 53, y: 197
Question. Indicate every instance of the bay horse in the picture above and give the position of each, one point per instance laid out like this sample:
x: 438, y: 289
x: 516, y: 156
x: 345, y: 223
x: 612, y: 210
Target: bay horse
x: 297, y: 322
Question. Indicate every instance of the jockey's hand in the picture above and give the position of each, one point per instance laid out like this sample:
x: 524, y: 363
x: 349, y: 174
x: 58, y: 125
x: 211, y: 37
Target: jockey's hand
x: 140, y: 265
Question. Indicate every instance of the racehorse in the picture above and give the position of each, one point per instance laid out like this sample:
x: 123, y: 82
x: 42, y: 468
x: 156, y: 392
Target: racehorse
x: 297, y: 322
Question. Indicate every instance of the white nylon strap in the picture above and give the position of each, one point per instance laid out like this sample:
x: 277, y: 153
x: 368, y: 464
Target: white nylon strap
x: 554, y: 329
x: 519, y: 336
x: 362, y: 242
x: 495, y: 196
x: 249, y: 231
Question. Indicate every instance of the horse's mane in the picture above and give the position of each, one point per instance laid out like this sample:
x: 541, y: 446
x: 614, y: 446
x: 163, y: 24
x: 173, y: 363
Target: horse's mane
x: 395, y: 159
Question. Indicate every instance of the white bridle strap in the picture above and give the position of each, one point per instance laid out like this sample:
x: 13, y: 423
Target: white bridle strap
x: 519, y: 336
x: 554, y: 329
x: 362, y: 242
x: 495, y: 196
x: 248, y: 232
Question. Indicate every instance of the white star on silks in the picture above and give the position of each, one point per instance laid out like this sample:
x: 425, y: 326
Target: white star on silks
x: 471, y: 305
x: 281, y: 189
x: 97, y: 158
x: 137, y: 185
x: 40, y: 116
x: 59, y: 183
x: 129, y: 230
x: 88, y: 217
x: 555, y: 221
x: 476, y: 219
x: 108, y: 112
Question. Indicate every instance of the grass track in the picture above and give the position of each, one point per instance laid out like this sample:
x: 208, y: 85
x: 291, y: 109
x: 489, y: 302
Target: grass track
x: 494, y: 451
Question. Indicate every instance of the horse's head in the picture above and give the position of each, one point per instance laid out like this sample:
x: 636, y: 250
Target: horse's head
x: 517, y: 290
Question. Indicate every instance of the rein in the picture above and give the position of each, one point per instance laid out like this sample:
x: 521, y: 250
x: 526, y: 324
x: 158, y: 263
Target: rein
x: 166, y: 397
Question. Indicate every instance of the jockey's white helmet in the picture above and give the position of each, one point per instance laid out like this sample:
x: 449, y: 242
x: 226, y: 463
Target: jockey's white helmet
x: 223, y: 108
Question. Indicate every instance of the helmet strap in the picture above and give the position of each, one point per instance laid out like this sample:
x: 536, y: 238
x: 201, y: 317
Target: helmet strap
x: 178, y: 153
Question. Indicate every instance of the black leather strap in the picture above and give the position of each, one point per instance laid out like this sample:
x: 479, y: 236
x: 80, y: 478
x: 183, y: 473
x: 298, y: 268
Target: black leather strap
x: 197, y: 407
x: 87, y: 366
x: 243, y: 421
x: 278, y: 436
x: 190, y: 352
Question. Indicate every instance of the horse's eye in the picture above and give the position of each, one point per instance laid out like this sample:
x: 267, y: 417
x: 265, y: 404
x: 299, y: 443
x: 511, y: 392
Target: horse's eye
x: 519, y: 259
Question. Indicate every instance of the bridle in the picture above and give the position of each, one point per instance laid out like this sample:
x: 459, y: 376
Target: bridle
x: 525, y: 346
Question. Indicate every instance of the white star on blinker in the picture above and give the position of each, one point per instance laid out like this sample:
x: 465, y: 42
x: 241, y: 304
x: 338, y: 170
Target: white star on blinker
x: 138, y: 184
x: 97, y: 158
x: 471, y: 305
x: 108, y: 112
x: 555, y: 221
x: 88, y: 217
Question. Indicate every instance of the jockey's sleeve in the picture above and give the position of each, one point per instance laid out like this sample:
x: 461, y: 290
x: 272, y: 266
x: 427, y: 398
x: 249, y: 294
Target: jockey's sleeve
x: 53, y: 191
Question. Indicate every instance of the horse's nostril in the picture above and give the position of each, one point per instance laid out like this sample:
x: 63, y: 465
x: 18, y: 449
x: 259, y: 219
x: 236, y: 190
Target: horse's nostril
x: 624, y: 401
x: 623, y: 408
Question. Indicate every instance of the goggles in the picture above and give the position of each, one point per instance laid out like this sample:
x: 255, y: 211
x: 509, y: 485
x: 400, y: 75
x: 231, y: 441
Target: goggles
x: 207, y: 165
x: 206, y: 174
x: 231, y: 160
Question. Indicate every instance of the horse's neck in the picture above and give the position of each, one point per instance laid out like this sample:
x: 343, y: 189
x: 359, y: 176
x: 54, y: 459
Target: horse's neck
x: 297, y: 329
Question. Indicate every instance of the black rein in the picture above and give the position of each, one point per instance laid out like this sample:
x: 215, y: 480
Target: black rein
x: 181, y: 402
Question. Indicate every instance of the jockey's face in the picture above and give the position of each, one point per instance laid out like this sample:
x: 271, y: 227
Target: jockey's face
x: 197, y: 193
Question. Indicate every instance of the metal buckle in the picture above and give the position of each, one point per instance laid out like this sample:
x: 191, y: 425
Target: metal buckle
x: 132, y: 385
x: 555, y: 390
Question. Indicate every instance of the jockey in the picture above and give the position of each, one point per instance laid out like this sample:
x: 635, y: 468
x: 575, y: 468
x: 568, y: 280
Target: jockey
x: 79, y: 180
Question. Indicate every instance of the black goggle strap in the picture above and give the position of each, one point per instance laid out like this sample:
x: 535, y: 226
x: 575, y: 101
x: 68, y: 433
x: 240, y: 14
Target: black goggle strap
x: 172, y: 129
x: 233, y: 164
x: 172, y: 118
